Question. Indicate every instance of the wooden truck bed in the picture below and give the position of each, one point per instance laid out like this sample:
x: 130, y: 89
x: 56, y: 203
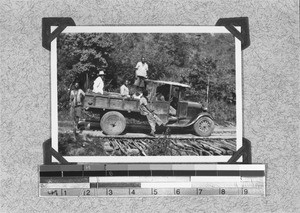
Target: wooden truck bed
x: 114, y: 101
x: 111, y: 101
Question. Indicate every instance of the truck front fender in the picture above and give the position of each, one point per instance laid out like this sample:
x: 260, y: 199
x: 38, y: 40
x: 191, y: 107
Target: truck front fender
x: 203, y: 114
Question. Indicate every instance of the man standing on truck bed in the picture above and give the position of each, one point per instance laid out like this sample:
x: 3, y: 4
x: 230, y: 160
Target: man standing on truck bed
x: 99, y: 83
x: 76, y: 102
x: 141, y: 73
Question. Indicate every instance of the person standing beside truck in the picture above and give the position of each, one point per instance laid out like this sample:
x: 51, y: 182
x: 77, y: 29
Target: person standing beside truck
x: 76, y: 103
x: 141, y: 73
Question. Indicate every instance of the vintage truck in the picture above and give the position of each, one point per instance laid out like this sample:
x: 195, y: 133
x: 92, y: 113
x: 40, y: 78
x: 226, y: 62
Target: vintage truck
x: 172, y: 109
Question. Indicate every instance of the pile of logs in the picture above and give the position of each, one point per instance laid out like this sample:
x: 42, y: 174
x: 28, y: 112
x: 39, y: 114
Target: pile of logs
x: 168, y: 147
x: 89, y: 145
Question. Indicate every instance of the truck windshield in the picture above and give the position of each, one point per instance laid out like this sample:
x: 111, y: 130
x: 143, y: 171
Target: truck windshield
x: 185, y: 95
x: 162, y: 93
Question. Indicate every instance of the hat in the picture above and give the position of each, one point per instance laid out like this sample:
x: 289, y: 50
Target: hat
x: 101, y: 73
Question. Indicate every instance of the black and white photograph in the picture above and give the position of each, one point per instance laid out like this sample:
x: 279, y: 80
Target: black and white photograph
x: 146, y: 94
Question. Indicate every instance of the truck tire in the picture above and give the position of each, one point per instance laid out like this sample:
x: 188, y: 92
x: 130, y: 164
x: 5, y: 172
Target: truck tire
x: 204, y: 126
x: 113, y: 123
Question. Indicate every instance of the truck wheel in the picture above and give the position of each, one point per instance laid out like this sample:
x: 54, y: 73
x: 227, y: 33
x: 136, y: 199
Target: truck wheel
x: 204, y: 126
x: 113, y: 123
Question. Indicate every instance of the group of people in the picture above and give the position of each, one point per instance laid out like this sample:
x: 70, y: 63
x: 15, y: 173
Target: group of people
x: 77, y: 95
x: 140, y: 75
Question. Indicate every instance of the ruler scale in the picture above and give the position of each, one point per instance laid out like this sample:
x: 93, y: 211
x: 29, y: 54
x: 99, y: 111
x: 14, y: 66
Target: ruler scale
x: 99, y: 180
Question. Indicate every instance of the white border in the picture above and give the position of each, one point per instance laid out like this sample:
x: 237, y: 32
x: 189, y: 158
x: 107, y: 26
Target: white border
x: 146, y: 29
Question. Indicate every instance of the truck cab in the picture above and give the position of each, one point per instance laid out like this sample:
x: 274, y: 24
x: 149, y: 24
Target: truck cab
x: 167, y: 100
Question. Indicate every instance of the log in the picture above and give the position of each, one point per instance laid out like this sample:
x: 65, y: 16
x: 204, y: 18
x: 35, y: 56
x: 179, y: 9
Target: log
x: 108, y: 148
x: 229, y: 145
x: 229, y: 152
x: 200, y: 149
x: 133, y: 151
x: 140, y: 149
x: 141, y: 145
x: 121, y: 148
x: 212, y: 149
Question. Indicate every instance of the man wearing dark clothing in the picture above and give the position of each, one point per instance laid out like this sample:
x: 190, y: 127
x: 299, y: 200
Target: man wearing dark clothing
x: 76, y: 102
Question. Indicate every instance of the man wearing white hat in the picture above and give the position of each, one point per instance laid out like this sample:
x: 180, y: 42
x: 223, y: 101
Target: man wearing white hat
x: 99, y: 83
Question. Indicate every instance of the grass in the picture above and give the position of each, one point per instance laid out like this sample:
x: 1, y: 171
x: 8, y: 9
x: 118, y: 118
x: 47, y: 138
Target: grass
x: 64, y: 115
x: 78, y: 146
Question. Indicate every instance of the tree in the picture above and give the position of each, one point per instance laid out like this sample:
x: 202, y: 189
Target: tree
x: 80, y: 57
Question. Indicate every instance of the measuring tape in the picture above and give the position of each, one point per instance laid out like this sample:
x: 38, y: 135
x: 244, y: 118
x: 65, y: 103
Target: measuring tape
x: 102, y: 180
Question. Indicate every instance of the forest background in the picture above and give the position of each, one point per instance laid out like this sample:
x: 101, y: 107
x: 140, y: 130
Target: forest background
x: 204, y: 61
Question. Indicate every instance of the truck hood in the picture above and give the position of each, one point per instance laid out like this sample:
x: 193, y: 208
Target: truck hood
x: 194, y: 104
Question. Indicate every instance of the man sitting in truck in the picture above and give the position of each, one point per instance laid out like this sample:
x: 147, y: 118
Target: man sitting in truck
x: 99, y: 83
x: 124, y: 89
x: 161, y: 97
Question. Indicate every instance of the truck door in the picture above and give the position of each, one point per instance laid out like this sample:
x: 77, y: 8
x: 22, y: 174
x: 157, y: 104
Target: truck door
x: 182, y: 106
x: 177, y: 104
x: 161, y: 109
x: 182, y: 109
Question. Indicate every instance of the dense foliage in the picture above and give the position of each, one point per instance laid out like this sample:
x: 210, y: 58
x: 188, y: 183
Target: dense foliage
x: 205, y: 61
